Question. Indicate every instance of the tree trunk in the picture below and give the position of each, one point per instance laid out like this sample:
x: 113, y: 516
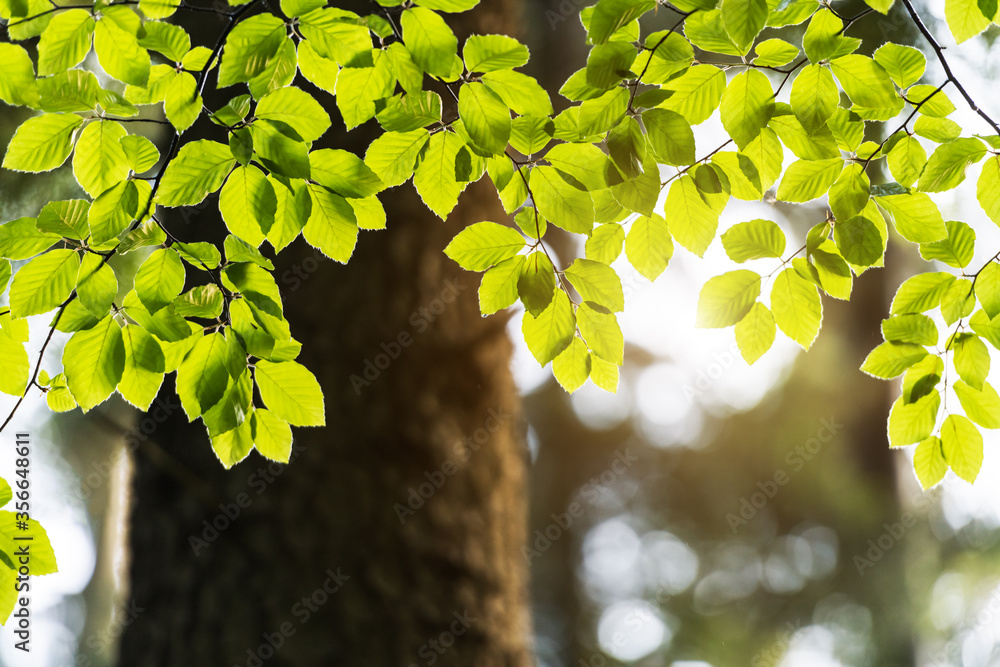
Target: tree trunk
x: 394, y: 535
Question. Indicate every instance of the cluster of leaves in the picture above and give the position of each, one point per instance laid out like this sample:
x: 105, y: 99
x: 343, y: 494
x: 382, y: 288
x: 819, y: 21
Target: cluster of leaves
x: 20, y: 534
x: 451, y: 114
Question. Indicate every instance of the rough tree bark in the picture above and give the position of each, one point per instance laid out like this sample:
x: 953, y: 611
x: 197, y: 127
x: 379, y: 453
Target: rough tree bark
x: 443, y: 583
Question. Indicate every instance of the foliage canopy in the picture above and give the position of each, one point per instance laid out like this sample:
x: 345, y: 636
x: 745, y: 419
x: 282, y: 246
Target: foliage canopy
x: 451, y: 113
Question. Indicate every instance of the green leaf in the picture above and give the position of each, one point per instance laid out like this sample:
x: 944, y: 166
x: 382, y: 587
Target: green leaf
x: 596, y: 282
x: 120, y: 54
x: 962, y: 445
x: 890, y: 359
x: 906, y: 160
x: 601, y: 332
x: 248, y: 203
x: 610, y: 16
x: 486, y: 117
x: 921, y: 292
x: 483, y: 244
x: 42, y: 143
x: 198, y: 170
x: 649, y: 246
x: 487, y: 53
x: 204, y: 301
x: 280, y: 149
x: 499, y: 285
x: 796, y: 307
x: 868, y: 86
x: 670, y: 136
x: 850, y: 193
x: 560, y: 202
x: 707, y: 31
x: 291, y: 392
x: 536, y: 283
x: 929, y: 462
x: 609, y: 63
x: 320, y: 71
x: 332, y: 225
x: 910, y: 328
x: 203, y: 376
x: 431, y: 43
x: 805, y: 180
x: 941, y: 130
x: 96, y: 285
x: 946, y: 167
x: 15, y: 367
x: 21, y: 239
x: 755, y: 332
x: 250, y: 47
x: 159, y: 279
x: 605, y: 244
x: 111, y: 213
x: 692, y: 221
x: 981, y: 406
x: 956, y: 250
x: 904, y: 64
x: 66, y: 218
x: 774, y: 53
x: 296, y: 108
x: 958, y: 301
x: 94, y: 361
x: 294, y: 205
x: 392, y: 155
x: 182, y: 104
x: 144, y: 366
x: 988, y: 188
x: 572, y: 367
x: 166, y: 38
x: 435, y: 177
x: 743, y: 20
x: 756, y: 239
x: 972, y: 359
x: 550, y: 332
x: 65, y: 41
x: 696, y: 93
x: 100, y: 161
x: 912, y: 422
x: 966, y: 20
x: 915, y: 216
x: 234, y: 445
x: 599, y: 115
x: 17, y: 78
x: 824, y: 38
x: 271, y: 435
x: 930, y: 101
x: 726, y: 299
x: 988, y: 288
x: 140, y: 153
x: 336, y: 34
x: 43, y: 283
x: 814, y: 97
x: 520, y: 92
x: 747, y: 106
